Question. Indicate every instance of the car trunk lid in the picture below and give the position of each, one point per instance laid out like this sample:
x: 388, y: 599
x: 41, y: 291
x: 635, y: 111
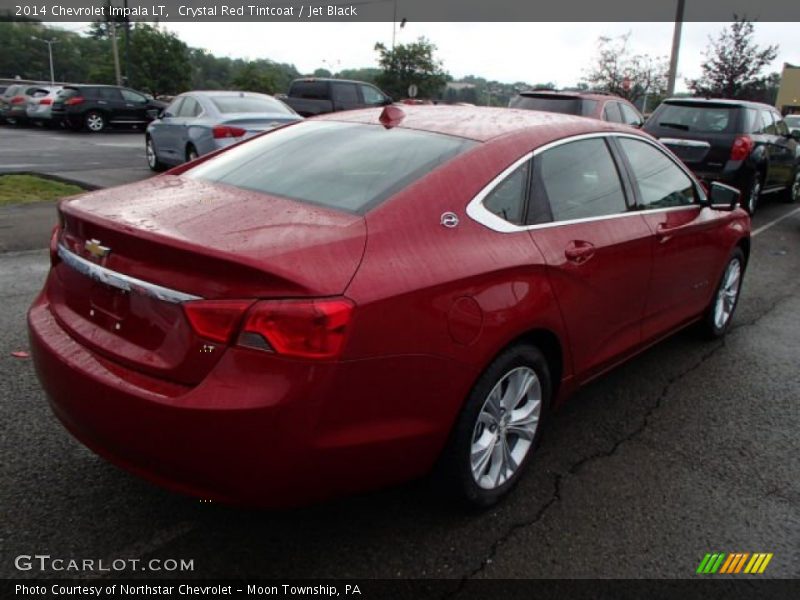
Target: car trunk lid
x: 171, y: 239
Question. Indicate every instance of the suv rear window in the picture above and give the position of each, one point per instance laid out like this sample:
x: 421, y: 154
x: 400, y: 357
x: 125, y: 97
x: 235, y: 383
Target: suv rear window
x: 699, y: 118
x: 346, y: 166
x: 568, y: 105
x: 248, y: 104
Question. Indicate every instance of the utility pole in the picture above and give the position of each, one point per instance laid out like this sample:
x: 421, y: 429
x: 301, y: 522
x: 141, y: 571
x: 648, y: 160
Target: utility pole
x: 115, y: 50
x: 50, y: 52
x: 127, y: 46
x: 676, y: 46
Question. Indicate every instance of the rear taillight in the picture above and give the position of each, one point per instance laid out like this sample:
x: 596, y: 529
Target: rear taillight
x: 74, y: 100
x: 54, y: 235
x: 742, y: 146
x: 315, y: 328
x: 46, y: 101
x: 17, y: 99
x: 226, y: 131
x: 300, y: 328
x: 216, y: 320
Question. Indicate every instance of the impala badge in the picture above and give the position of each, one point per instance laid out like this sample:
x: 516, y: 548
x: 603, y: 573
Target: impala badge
x: 94, y: 248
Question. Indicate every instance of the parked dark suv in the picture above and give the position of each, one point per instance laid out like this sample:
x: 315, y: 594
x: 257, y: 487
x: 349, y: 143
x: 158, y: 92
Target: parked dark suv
x: 745, y: 144
x: 597, y: 105
x: 95, y: 107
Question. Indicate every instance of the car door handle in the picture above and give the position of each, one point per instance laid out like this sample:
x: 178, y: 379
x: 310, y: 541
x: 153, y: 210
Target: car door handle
x: 578, y: 251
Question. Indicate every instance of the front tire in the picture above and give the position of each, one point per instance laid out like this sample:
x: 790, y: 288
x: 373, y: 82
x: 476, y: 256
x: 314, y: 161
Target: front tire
x: 792, y: 193
x: 498, y: 428
x: 94, y: 121
x: 719, y: 314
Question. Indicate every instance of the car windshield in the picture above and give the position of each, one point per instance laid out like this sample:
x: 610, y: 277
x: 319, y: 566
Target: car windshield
x: 568, y: 105
x: 793, y: 120
x: 249, y: 104
x: 697, y: 118
x: 347, y: 166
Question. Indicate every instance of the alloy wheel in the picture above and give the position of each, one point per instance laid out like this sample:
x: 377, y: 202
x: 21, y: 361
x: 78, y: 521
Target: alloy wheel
x: 152, y: 159
x: 752, y: 197
x: 95, y: 122
x: 505, y: 428
x: 728, y: 293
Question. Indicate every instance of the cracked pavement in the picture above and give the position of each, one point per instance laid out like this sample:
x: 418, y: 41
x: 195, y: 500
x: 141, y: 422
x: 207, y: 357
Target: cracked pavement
x: 690, y: 448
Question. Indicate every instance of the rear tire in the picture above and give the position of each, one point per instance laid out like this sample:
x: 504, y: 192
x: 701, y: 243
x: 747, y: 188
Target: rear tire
x: 498, y: 429
x: 719, y: 314
x: 152, y: 156
x: 752, y: 193
x: 94, y: 121
x: 191, y: 153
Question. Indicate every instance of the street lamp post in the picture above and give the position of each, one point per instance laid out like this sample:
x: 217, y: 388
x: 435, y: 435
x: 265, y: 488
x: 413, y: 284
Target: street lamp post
x: 50, y: 52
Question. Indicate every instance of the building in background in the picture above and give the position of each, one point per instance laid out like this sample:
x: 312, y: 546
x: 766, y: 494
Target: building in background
x: 788, y: 101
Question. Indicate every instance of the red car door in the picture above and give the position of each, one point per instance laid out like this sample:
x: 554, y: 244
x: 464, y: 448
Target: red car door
x: 687, y: 256
x: 597, y: 249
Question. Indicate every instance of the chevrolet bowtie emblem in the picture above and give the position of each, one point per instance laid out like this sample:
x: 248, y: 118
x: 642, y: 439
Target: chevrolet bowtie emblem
x: 97, y: 250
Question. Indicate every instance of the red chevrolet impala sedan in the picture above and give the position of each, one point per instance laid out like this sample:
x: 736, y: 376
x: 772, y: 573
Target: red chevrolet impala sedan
x: 348, y: 302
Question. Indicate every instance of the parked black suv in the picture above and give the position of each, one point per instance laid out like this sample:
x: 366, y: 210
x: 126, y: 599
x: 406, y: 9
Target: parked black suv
x: 744, y: 144
x: 95, y: 107
x: 316, y: 96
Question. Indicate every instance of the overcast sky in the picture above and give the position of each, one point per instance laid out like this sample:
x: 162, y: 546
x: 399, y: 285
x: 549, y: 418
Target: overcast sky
x: 507, y: 52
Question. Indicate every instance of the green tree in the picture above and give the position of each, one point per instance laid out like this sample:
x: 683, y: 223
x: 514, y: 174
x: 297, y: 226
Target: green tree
x: 159, y: 61
x: 411, y: 64
x: 733, y: 64
x: 632, y: 76
x: 250, y: 78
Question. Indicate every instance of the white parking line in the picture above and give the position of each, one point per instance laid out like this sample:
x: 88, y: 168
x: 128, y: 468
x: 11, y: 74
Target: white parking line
x: 763, y: 228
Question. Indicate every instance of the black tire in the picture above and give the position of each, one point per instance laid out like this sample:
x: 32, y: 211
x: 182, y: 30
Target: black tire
x: 792, y: 193
x: 751, y: 194
x: 152, y: 157
x: 710, y: 325
x: 191, y: 153
x: 455, y: 471
x: 94, y: 121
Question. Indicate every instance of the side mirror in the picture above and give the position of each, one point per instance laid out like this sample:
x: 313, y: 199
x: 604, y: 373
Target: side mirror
x: 165, y: 114
x: 152, y: 113
x: 723, y: 197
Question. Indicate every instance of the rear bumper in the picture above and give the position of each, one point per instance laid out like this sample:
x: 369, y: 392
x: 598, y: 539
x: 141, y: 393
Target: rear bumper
x: 258, y: 430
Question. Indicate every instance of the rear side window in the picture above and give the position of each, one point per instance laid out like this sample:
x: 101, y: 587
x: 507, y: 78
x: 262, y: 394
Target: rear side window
x: 611, y: 112
x: 507, y: 200
x: 312, y: 90
x: 662, y: 184
x: 698, y: 118
x: 249, y: 104
x: 568, y: 105
x: 110, y: 94
x: 767, y: 122
x: 346, y: 166
x: 371, y: 95
x: 630, y: 116
x: 580, y: 180
x: 189, y: 108
x: 345, y: 93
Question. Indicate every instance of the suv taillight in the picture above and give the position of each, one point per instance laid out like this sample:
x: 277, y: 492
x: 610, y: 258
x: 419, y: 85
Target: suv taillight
x: 226, y: 131
x: 313, y: 328
x: 742, y: 146
x: 74, y: 100
x: 46, y: 101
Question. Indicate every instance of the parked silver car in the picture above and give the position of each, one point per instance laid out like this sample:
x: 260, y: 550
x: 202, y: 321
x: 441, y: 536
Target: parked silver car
x: 40, y: 106
x: 196, y: 123
x: 14, y: 101
x: 792, y: 122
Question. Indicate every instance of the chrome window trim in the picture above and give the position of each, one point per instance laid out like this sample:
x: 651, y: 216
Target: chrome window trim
x: 120, y: 281
x: 480, y: 214
x: 685, y: 143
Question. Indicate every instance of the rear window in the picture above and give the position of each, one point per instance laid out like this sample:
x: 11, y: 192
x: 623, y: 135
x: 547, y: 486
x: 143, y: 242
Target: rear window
x: 558, y: 104
x: 12, y: 90
x: 248, y: 104
x: 346, y: 166
x: 793, y: 120
x: 697, y: 118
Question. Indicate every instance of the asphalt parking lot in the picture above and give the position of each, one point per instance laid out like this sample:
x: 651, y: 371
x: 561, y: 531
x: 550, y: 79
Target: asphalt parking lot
x: 95, y: 160
x: 690, y: 448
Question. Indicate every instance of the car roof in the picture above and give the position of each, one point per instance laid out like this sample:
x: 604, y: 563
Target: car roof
x: 589, y: 94
x: 718, y: 101
x: 312, y: 79
x: 481, y: 123
x: 224, y: 93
